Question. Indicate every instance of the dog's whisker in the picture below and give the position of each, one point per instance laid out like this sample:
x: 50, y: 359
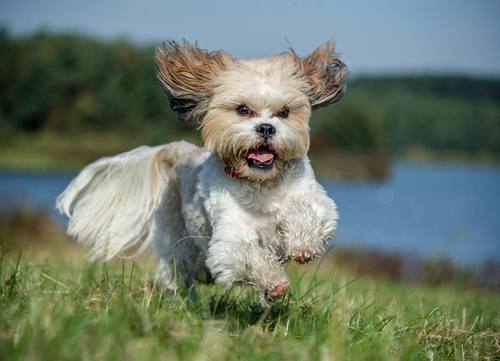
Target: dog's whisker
x: 206, y: 237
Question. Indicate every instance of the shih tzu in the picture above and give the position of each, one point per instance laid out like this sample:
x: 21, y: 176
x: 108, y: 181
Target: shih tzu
x: 245, y: 204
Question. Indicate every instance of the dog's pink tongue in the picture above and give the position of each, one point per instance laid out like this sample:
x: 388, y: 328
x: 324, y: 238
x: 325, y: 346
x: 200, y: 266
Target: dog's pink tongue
x: 260, y: 155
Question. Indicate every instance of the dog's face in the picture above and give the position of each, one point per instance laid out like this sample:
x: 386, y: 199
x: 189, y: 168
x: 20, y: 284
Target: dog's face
x: 258, y: 117
x: 254, y: 114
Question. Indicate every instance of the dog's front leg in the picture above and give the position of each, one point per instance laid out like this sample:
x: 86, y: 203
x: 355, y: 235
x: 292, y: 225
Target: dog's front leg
x: 309, y: 221
x: 235, y: 259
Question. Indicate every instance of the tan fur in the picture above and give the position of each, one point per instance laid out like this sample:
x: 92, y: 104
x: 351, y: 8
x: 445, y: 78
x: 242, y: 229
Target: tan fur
x: 326, y: 74
x: 189, y: 75
x: 185, y: 73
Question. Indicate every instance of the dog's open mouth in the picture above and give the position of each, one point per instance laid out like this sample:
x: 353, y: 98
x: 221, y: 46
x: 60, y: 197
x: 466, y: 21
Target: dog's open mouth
x: 261, y: 158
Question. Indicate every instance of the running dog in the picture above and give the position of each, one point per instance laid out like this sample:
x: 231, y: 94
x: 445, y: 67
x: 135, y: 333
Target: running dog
x: 245, y: 204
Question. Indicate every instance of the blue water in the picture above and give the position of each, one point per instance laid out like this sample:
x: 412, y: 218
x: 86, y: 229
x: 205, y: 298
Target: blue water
x: 422, y: 209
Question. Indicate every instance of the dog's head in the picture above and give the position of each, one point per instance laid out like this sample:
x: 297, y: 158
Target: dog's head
x: 254, y: 114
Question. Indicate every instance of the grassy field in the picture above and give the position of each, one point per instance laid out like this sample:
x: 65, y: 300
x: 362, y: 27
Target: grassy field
x: 56, y: 306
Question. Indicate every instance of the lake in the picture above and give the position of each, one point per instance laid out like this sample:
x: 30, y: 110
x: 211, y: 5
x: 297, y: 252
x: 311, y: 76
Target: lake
x: 422, y: 209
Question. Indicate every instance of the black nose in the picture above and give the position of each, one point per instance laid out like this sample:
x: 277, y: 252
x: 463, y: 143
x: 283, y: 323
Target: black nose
x: 265, y: 130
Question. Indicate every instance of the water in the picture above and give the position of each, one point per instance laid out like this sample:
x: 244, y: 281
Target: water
x: 422, y: 209
x: 34, y: 190
x: 447, y: 210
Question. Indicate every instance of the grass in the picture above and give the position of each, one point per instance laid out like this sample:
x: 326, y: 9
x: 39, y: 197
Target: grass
x: 54, y: 305
x: 63, y: 308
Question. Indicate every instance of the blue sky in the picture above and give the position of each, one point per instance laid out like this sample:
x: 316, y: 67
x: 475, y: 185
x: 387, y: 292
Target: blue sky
x: 374, y: 37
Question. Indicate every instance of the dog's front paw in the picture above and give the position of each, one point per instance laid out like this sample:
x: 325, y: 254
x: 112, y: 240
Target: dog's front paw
x: 302, y: 256
x: 276, y: 289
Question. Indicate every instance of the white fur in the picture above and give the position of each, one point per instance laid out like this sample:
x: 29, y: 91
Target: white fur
x: 115, y: 198
x: 177, y: 197
x: 245, y: 229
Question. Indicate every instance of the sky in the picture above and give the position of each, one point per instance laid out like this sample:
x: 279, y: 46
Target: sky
x: 374, y: 37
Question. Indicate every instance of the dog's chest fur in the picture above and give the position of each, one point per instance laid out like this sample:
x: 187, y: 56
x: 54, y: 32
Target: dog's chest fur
x: 213, y: 202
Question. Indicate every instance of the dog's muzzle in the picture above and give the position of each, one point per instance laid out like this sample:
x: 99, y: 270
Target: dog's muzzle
x: 262, y: 157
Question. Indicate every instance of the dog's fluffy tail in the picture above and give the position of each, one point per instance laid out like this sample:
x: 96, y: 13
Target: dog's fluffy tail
x: 112, y: 201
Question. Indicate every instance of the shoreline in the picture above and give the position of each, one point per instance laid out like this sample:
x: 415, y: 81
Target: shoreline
x: 347, y: 166
x: 52, y: 152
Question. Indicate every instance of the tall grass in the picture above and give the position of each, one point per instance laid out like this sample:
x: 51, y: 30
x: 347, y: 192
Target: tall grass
x: 60, y: 309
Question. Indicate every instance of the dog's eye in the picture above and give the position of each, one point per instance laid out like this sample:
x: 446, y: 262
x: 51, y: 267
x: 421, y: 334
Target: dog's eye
x: 283, y: 113
x: 243, y: 110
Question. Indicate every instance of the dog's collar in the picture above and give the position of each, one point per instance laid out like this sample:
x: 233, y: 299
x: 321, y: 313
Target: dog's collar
x: 229, y: 169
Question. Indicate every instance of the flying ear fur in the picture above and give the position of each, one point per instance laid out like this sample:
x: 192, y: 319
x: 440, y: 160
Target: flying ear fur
x: 326, y: 74
x: 185, y: 73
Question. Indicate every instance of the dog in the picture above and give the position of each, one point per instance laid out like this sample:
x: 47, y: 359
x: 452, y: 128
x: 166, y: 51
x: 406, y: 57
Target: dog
x: 244, y: 205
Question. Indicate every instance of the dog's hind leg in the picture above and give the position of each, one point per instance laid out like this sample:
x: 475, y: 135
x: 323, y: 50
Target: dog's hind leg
x: 177, y: 252
x: 175, y: 271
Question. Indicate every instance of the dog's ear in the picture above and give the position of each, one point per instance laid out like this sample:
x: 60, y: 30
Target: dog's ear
x: 185, y: 73
x: 326, y: 74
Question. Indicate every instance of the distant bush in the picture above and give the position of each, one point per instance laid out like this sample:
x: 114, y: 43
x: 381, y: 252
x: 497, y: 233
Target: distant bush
x: 433, y: 271
x: 349, y: 128
x: 71, y: 83
x: 439, y: 113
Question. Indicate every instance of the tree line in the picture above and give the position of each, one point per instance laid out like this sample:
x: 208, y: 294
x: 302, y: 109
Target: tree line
x: 70, y: 83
